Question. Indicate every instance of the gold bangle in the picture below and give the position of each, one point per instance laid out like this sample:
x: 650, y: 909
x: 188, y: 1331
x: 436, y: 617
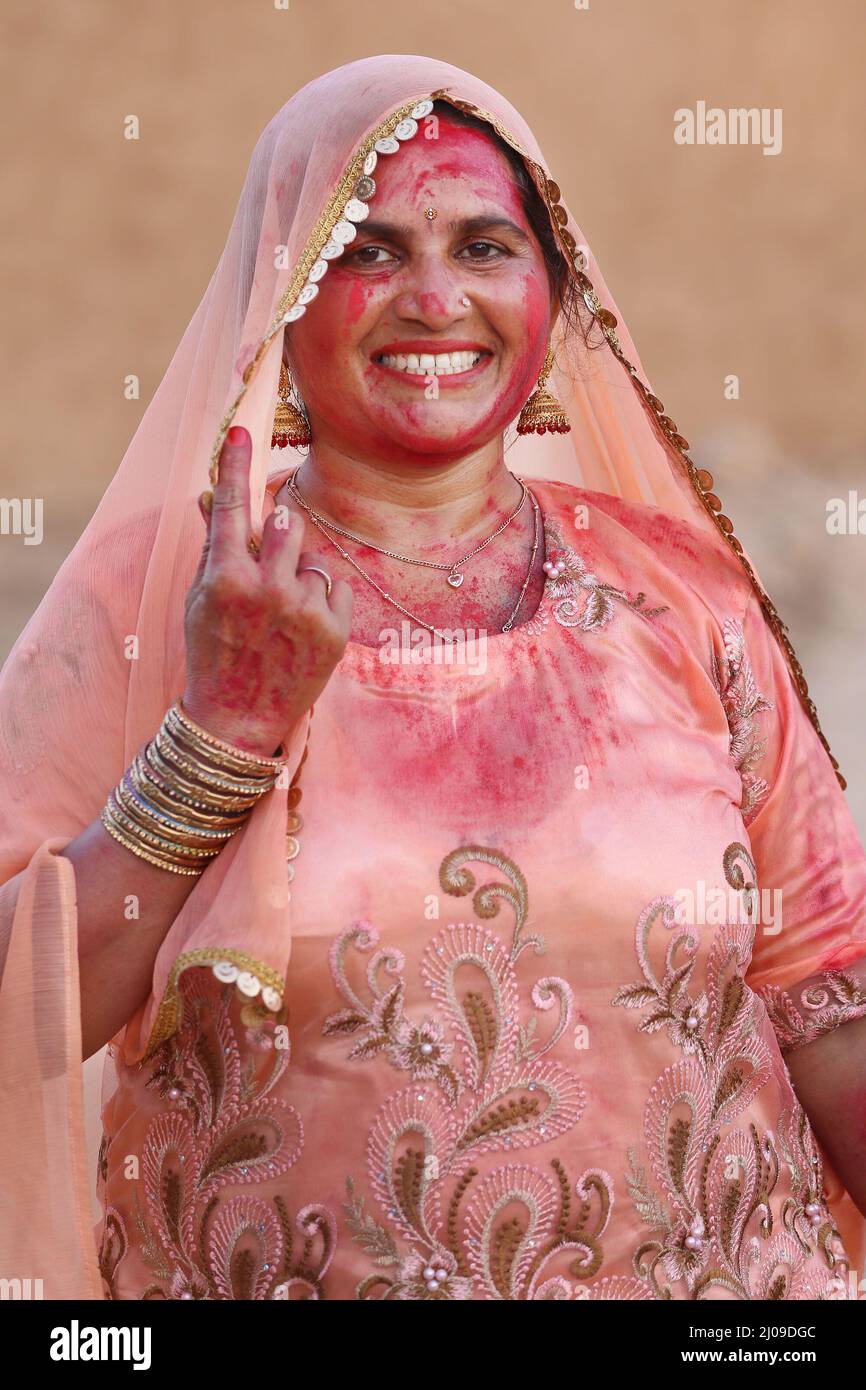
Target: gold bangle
x: 201, y: 755
x: 145, y: 854
x: 157, y: 786
x: 137, y: 806
x: 186, y: 794
x: 182, y: 853
x: 203, y: 763
x: 231, y: 752
x: 202, y: 774
x: 167, y: 849
x: 176, y: 768
x: 170, y: 816
x: 130, y: 839
x: 175, y: 806
x: 173, y: 783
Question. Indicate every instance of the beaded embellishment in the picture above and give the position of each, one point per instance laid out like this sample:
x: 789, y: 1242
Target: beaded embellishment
x: 335, y: 230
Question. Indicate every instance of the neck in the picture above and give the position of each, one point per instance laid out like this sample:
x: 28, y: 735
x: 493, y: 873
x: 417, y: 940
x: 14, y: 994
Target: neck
x: 410, y: 507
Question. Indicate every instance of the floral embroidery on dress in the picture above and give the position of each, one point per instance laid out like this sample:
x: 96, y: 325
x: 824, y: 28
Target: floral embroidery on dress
x: 742, y: 703
x: 707, y: 1198
x: 579, y: 598
x: 493, y: 1088
x: 223, y: 1128
x: 112, y: 1249
x: 828, y: 1000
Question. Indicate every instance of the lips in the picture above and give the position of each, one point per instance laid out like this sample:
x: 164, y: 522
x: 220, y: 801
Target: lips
x: 420, y: 359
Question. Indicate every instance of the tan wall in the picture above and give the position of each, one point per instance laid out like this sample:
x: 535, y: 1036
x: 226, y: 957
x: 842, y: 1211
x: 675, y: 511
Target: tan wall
x: 723, y: 260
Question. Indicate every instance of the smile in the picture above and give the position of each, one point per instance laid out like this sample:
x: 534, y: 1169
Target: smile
x: 461, y: 364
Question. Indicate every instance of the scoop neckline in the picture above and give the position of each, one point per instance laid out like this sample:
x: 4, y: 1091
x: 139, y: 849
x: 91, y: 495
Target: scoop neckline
x: 500, y: 641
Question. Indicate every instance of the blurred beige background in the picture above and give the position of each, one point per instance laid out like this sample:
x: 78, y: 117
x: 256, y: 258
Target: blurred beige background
x: 723, y: 260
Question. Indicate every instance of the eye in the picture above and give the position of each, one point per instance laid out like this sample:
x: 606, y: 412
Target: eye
x: 362, y: 258
x: 485, y: 246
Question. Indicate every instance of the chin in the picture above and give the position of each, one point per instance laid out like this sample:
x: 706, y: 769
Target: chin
x: 435, y: 436
x: 445, y: 448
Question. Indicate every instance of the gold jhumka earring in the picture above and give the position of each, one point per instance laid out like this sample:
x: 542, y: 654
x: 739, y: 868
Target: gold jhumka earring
x: 290, y: 426
x: 542, y: 411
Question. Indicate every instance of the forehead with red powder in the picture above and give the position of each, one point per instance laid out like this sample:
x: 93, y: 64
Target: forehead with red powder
x: 456, y: 152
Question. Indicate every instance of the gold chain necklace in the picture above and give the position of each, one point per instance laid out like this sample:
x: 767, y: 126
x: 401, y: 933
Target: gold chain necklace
x: 454, y: 576
x: 444, y: 636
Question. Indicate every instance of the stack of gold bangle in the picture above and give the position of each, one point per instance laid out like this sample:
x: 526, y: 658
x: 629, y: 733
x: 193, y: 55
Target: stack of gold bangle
x: 185, y: 794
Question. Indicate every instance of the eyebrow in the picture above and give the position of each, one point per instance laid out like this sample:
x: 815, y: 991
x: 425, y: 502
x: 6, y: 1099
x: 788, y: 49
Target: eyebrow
x: 397, y: 231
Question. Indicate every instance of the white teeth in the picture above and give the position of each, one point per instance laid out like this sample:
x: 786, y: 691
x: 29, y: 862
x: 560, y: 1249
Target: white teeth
x: 431, y: 364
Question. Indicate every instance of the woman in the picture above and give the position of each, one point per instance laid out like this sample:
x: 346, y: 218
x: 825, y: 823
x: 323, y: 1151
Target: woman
x: 552, y: 719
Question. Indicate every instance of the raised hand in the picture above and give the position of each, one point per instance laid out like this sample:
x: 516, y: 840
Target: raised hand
x: 262, y: 635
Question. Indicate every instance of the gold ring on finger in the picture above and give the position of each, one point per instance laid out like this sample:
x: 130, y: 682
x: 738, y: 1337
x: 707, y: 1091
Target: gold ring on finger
x: 314, y: 569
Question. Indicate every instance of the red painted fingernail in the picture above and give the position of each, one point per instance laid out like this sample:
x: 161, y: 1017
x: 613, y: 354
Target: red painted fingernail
x: 236, y: 435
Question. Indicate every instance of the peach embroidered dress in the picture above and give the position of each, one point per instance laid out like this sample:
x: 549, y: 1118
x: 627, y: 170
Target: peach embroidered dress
x: 528, y: 1053
x: 492, y: 1002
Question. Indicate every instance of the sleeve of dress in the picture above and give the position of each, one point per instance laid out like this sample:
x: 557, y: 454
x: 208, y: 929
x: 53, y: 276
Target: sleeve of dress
x: 809, y: 955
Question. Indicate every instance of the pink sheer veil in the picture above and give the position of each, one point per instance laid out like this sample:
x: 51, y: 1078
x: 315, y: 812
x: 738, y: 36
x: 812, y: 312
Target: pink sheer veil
x: 92, y: 674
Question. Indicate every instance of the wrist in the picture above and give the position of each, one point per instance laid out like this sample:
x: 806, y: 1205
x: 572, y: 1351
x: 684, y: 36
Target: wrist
x: 244, y: 734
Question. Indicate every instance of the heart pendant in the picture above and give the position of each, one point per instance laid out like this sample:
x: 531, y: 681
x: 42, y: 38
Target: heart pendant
x: 455, y: 580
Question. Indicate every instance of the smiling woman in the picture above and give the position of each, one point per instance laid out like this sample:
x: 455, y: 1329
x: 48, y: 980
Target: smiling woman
x: 335, y: 1069
x: 469, y: 278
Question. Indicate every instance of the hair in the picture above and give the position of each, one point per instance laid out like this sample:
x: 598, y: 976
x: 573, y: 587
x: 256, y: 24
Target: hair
x: 562, y: 282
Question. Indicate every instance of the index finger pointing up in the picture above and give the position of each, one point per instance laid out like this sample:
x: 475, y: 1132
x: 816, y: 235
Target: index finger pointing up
x: 230, y: 518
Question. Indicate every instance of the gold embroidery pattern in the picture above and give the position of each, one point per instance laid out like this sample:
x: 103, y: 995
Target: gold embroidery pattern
x: 742, y: 703
x: 516, y: 1232
x: 710, y: 1207
x: 203, y: 1231
x: 112, y: 1249
x: 171, y: 1006
x: 828, y: 1000
x: 579, y: 598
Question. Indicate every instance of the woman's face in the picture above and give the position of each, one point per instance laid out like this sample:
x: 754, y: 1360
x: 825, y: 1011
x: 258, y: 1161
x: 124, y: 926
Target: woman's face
x: 398, y: 289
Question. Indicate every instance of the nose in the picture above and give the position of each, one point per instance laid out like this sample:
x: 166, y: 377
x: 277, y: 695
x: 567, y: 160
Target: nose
x: 436, y: 298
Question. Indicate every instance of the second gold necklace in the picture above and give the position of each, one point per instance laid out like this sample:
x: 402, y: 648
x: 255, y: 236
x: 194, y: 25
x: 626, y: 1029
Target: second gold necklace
x: 455, y: 575
x: 444, y: 636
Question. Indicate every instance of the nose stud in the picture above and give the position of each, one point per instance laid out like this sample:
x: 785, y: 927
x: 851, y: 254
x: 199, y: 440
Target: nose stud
x: 465, y: 301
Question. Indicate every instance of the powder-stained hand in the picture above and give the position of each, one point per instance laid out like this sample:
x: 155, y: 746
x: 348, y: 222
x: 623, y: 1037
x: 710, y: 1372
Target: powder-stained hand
x: 262, y: 639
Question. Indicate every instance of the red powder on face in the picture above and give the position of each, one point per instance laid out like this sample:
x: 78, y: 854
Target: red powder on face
x: 357, y: 300
x: 412, y: 289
